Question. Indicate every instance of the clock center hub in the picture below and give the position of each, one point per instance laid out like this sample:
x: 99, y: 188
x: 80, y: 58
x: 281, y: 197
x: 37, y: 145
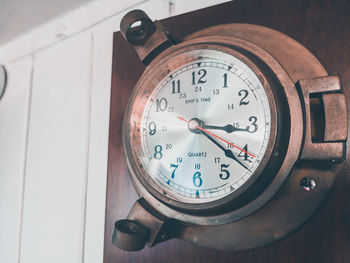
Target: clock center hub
x: 193, y: 125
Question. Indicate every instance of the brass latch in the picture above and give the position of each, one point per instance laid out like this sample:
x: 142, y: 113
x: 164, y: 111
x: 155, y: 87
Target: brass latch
x: 325, y: 118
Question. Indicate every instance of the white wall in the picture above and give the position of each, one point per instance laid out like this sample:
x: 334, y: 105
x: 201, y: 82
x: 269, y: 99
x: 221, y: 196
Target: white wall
x: 18, y: 16
x: 54, y: 121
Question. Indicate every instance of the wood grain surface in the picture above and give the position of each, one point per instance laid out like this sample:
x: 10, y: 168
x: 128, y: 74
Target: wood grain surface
x: 321, y: 26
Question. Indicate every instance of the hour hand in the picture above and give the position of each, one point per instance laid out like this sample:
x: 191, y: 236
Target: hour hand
x: 227, y: 128
x: 228, y: 153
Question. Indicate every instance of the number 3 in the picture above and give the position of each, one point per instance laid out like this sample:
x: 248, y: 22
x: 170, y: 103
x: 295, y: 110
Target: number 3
x: 253, y: 119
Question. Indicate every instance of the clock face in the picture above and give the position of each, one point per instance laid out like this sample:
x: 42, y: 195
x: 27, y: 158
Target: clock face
x: 203, y: 128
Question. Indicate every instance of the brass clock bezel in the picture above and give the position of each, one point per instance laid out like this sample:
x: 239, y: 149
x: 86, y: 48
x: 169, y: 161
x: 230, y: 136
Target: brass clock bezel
x: 131, y: 130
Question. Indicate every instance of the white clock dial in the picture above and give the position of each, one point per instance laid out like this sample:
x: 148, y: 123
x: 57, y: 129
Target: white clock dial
x: 205, y: 127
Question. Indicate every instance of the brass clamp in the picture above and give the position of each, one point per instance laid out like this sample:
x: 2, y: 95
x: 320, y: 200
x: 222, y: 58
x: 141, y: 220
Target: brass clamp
x: 147, y: 37
x: 325, y: 118
x: 143, y: 226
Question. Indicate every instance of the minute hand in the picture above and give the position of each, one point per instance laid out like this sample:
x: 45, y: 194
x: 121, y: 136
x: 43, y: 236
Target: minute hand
x: 227, y: 128
x: 228, y: 153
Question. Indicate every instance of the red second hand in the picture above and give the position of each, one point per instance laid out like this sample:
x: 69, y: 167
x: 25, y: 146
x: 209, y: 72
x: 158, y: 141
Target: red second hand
x: 198, y: 127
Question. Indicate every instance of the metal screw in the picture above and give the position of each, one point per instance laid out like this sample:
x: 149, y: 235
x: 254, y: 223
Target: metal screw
x: 307, y: 184
x: 3, y: 80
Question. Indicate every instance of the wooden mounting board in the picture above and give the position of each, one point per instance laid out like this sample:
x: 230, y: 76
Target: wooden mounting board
x: 323, y: 28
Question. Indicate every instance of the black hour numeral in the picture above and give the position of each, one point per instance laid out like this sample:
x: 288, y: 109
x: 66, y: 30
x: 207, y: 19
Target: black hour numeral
x: 216, y: 91
x: 168, y: 146
x: 182, y: 95
x: 197, y: 166
x: 197, y: 89
x: 152, y: 128
x: 217, y: 160
x: 197, y: 180
x: 235, y: 124
x: 253, y: 121
x: 176, y: 86
x: 161, y: 104
x: 245, y: 155
x: 230, y: 106
x: 201, y: 80
x: 173, y: 172
x: 225, y: 174
x: 179, y: 160
x: 244, y: 94
x: 158, y: 152
x: 229, y: 145
x: 225, y: 80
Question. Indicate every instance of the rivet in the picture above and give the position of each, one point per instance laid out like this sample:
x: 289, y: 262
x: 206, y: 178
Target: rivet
x: 307, y: 184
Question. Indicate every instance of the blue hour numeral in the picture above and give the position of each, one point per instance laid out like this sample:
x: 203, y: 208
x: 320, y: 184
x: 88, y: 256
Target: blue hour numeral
x: 173, y: 166
x: 158, y: 152
x: 197, y: 180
